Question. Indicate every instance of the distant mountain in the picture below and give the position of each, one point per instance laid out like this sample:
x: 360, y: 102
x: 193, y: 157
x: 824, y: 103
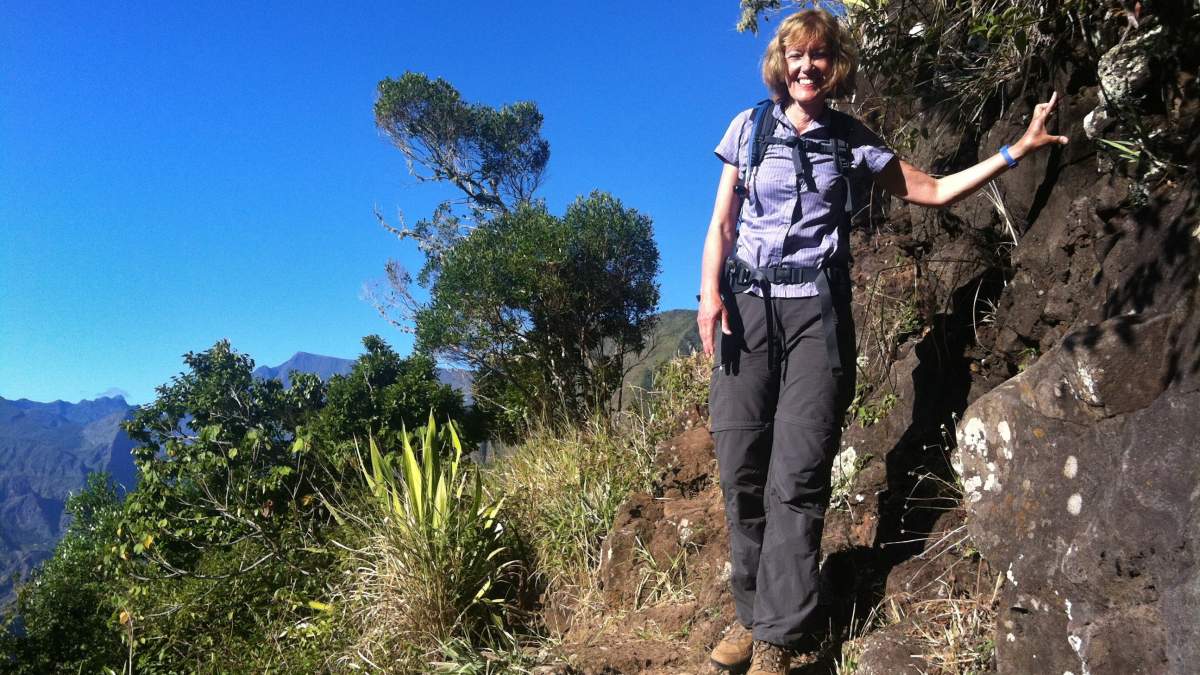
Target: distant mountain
x: 460, y: 379
x: 321, y: 366
x: 46, y: 452
x: 326, y: 367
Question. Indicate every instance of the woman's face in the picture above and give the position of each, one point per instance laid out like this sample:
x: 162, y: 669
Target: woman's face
x: 807, y: 67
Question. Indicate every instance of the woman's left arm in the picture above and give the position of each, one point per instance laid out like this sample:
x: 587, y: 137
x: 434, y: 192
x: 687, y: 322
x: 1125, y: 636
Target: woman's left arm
x: 917, y: 187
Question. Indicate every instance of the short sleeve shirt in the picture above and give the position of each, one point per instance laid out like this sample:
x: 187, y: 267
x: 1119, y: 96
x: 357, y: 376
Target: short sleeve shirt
x: 790, y: 220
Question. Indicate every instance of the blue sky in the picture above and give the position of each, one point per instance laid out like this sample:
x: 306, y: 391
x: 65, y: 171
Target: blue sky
x: 176, y: 173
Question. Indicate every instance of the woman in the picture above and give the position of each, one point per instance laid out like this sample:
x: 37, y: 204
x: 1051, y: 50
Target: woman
x: 775, y: 280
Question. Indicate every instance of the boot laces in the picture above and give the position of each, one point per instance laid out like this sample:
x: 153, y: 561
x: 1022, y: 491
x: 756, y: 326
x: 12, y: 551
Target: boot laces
x: 769, y: 655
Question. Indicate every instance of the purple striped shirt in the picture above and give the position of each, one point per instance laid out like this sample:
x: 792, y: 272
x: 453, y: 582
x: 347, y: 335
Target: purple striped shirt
x: 782, y: 223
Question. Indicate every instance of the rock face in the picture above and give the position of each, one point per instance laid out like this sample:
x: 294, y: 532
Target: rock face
x: 1081, y: 481
x: 889, y: 651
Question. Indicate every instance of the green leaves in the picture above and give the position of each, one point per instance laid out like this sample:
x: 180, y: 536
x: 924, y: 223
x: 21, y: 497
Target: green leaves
x: 443, y: 535
x: 1126, y: 150
x: 383, y: 394
x: 545, y: 308
x: 496, y: 156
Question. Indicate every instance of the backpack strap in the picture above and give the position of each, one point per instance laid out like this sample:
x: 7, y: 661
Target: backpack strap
x: 839, y: 139
x: 764, y: 127
x: 763, y: 121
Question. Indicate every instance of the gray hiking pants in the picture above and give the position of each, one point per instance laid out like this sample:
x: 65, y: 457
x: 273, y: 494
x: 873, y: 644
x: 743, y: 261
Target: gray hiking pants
x: 776, y: 416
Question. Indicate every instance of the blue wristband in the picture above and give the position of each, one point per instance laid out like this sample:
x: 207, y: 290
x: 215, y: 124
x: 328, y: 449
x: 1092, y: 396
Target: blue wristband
x: 1012, y: 163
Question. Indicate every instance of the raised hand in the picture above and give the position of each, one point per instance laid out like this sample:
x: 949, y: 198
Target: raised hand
x: 1036, y: 136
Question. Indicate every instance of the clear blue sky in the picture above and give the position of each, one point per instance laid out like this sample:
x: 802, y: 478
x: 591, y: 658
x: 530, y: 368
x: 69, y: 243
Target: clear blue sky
x: 176, y: 173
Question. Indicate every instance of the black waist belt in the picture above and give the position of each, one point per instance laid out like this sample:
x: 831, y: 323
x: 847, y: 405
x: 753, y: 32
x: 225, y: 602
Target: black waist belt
x: 740, y: 276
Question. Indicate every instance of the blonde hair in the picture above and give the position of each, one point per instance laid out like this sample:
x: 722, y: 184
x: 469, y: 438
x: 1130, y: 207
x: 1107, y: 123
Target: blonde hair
x: 804, y: 28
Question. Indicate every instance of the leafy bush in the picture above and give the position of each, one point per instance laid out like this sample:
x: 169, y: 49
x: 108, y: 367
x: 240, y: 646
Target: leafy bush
x: 226, y: 509
x: 383, y: 394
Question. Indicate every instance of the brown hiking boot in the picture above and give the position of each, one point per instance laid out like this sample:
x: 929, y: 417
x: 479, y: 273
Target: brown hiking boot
x: 732, y: 653
x: 769, y: 659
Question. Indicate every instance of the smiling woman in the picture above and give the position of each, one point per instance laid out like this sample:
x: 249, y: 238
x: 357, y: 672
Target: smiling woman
x: 811, y: 58
x: 775, y: 277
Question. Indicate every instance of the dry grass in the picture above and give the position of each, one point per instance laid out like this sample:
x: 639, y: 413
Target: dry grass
x: 564, y: 486
x: 955, y: 634
x: 663, y: 581
x: 384, y: 608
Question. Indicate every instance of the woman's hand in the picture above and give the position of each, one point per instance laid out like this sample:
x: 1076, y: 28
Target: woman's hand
x: 711, y: 311
x: 722, y: 230
x: 917, y: 187
x: 1036, y: 136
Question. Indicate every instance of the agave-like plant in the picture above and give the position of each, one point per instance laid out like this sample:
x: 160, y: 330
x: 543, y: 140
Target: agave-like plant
x: 444, y: 530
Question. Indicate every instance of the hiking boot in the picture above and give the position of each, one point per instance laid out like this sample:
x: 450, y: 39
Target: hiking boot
x: 732, y: 653
x: 769, y: 659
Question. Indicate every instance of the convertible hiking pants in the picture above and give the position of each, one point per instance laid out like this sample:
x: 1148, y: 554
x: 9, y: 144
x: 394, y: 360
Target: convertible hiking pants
x: 776, y: 416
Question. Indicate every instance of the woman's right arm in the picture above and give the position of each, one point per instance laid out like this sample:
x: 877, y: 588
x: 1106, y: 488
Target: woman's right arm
x: 722, y: 231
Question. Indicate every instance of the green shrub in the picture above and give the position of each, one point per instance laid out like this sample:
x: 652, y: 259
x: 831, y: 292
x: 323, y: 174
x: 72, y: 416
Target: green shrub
x: 436, y: 566
x: 67, y: 608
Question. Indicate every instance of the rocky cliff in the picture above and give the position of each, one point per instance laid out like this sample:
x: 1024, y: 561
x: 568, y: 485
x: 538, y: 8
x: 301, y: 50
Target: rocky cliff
x: 46, y: 452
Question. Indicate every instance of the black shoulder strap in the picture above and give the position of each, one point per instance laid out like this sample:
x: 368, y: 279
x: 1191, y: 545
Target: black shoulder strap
x: 764, y: 127
x: 839, y: 138
x: 763, y: 122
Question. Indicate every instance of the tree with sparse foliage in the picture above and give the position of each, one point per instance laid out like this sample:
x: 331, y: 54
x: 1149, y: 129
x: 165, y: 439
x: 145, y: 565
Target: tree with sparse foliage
x: 495, y: 157
x: 543, y: 308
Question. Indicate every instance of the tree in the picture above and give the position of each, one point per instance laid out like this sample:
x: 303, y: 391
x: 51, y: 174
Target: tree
x: 495, y: 157
x: 751, y: 9
x: 384, y: 394
x: 216, y: 457
x: 228, y: 505
x: 544, y: 309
